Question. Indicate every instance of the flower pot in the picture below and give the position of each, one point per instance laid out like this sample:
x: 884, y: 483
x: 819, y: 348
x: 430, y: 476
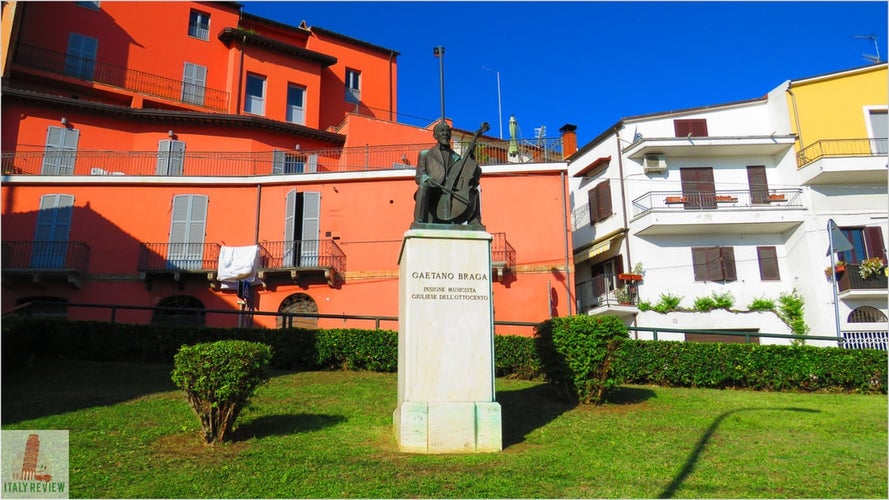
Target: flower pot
x: 629, y: 277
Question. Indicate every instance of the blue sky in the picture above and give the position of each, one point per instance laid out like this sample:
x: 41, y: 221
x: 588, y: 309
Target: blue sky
x: 592, y: 63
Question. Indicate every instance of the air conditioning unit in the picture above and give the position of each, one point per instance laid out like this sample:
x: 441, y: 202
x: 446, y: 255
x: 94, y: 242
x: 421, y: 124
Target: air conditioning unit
x: 654, y: 163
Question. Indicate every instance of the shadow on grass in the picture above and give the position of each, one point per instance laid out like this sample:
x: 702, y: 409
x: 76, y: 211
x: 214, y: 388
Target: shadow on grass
x: 279, y: 425
x: 526, y: 410
x: 692, y: 461
x: 51, y: 387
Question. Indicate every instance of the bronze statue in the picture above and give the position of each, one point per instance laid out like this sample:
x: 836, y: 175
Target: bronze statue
x: 447, y: 185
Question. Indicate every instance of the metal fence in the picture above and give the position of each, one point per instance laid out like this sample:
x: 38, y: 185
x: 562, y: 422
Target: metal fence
x: 46, y: 255
x: 734, y: 199
x: 842, y: 147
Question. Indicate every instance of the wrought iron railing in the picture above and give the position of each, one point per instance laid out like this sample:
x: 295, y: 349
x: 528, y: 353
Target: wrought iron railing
x: 174, y: 257
x: 238, y: 164
x: 605, y: 290
x: 325, y: 254
x: 119, y: 76
x: 663, y: 200
x: 502, y: 252
x: 850, y: 279
x: 842, y: 147
x: 45, y: 255
x: 870, y: 339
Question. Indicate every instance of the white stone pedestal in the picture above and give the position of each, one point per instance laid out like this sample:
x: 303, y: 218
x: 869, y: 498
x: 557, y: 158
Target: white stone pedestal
x: 446, y: 344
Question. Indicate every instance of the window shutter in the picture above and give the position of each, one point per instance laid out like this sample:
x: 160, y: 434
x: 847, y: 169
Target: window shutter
x: 313, y: 163
x: 604, y: 195
x: 873, y: 242
x: 69, y: 145
x: 593, y: 203
x: 289, y: 227
x: 54, y: 217
x: 697, y: 127
x: 699, y: 263
x: 187, y: 230
x: 311, y: 228
x: 170, y: 157
x: 768, y: 263
x: 727, y: 258
x: 278, y: 163
x: 698, y: 187
x: 60, y: 151
x: 759, y: 186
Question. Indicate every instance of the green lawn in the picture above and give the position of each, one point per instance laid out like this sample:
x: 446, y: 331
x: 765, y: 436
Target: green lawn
x: 329, y: 434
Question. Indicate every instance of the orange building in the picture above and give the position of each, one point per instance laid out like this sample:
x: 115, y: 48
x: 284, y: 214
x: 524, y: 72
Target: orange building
x: 149, y: 147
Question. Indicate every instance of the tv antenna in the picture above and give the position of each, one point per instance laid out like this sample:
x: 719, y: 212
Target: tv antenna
x: 874, y: 59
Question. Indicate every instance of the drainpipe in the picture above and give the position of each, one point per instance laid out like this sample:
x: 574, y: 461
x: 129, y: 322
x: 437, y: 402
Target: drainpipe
x: 623, y: 199
x: 258, y: 211
x: 391, y: 97
x: 799, y: 133
x: 568, y: 285
x: 240, y: 76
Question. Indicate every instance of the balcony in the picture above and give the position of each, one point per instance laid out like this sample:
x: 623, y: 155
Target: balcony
x: 301, y: 262
x: 850, y: 284
x: 689, y: 147
x: 843, y: 161
x: 503, y: 257
x: 607, y: 294
x: 91, y: 71
x: 179, y: 261
x: 719, y: 212
x: 45, y: 261
x: 236, y: 164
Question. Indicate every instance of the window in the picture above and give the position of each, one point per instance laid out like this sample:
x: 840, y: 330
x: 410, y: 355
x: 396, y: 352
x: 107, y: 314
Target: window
x: 89, y: 5
x: 302, y: 229
x: 254, y: 101
x: 80, y: 60
x: 199, y: 25
x: 714, y: 263
x: 194, y: 83
x: 600, y: 202
x: 879, y: 131
x: 170, y: 157
x: 866, y: 314
x: 51, y: 233
x: 768, y: 263
x: 189, y: 312
x: 46, y: 307
x: 296, y: 304
x: 187, y: 227
x: 353, y: 86
x: 690, y: 128
x: 867, y: 242
x: 759, y: 186
x: 296, y: 96
x: 698, y: 188
x: 288, y: 163
x: 60, y: 152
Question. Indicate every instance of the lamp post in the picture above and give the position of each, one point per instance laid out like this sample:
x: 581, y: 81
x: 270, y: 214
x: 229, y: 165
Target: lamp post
x: 499, y: 107
x: 439, y: 53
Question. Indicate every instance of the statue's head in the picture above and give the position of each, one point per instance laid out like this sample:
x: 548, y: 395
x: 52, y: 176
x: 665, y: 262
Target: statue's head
x: 442, y: 132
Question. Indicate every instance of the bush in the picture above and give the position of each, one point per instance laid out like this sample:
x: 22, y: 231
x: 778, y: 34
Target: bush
x: 667, y: 303
x: 576, y: 354
x: 761, y: 304
x: 791, y: 311
x: 704, y: 304
x: 218, y: 379
x: 715, y: 301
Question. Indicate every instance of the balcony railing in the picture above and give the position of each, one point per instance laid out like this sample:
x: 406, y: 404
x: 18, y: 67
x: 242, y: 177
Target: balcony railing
x: 503, y: 255
x: 664, y: 200
x: 118, y: 76
x: 178, y: 257
x: 850, y: 279
x: 34, y: 256
x: 238, y: 164
x: 606, y: 291
x: 842, y: 147
x: 302, y: 254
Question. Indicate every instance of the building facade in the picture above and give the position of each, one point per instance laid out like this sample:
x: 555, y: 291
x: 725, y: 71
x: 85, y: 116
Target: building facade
x: 715, y: 204
x: 192, y: 157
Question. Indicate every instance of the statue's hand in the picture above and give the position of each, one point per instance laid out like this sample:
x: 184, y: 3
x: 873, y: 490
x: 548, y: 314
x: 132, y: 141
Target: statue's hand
x: 425, y: 179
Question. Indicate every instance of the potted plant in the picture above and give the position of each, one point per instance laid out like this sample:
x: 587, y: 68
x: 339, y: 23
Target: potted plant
x: 839, y: 267
x: 870, y: 267
x: 622, y: 295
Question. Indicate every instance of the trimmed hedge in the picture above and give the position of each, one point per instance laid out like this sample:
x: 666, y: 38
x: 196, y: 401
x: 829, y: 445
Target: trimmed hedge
x: 681, y: 364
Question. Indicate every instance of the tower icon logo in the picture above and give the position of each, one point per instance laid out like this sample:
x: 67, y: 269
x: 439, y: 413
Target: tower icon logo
x: 35, y: 464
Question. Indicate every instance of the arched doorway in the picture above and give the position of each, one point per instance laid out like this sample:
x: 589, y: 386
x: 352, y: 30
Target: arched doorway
x: 296, y: 304
x: 866, y: 314
x: 184, y: 316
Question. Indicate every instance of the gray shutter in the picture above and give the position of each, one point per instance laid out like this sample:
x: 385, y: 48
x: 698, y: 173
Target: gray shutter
x: 278, y: 163
x: 311, y: 229
x: 289, y: 227
x: 194, y: 81
x: 170, y: 157
x: 187, y: 229
x: 60, y: 151
x: 313, y: 163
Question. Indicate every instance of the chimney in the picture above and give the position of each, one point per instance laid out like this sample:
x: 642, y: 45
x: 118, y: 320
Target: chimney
x: 569, y: 140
